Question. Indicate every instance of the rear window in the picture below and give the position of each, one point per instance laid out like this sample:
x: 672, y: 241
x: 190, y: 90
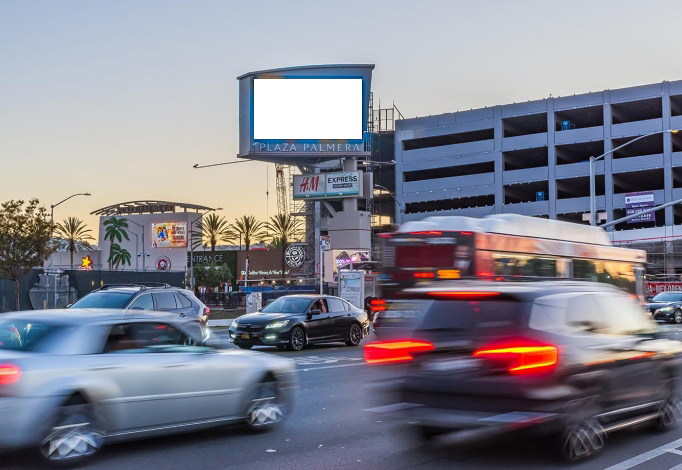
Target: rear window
x: 184, y: 301
x: 24, y: 335
x: 104, y: 300
x: 470, y: 319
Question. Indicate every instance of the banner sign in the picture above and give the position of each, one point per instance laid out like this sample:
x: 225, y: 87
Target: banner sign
x: 637, y: 202
x: 327, y: 185
x: 352, y: 286
x: 150, y: 208
x: 169, y: 235
x: 653, y: 288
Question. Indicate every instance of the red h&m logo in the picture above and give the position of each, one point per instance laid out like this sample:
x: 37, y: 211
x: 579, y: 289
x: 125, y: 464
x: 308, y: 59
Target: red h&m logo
x: 309, y: 184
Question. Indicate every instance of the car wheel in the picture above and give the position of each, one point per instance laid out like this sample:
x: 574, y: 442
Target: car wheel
x: 296, y: 339
x: 74, y: 437
x: 669, y: 413
x: 267, y: 408
x: 678, y: 317
x: 245, y: 346
x: 354, y: 335
x: 583, y: 435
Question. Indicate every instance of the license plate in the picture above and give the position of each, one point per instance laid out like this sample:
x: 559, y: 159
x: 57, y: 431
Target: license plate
x: 245, y: 336
x: 451, y: 365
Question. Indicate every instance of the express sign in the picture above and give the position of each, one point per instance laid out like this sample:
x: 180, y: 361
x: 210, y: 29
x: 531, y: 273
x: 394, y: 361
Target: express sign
x: 327, y: 185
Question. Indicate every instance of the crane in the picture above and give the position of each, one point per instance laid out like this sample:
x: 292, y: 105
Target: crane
x: 282, y: 200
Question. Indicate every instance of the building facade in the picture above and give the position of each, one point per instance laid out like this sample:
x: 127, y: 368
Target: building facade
x: 532, y: 158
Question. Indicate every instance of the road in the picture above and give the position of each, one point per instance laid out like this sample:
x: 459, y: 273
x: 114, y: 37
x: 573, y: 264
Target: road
x: 329, y: 429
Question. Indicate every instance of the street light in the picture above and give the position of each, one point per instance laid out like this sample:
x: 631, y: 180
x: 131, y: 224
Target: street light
x: 137, y: 249
x: 64, y: 200
x: 191, y: 247
x: 593, y: 196
x: 401, y: 206
x: 144, y: 261
x: 372, y: 162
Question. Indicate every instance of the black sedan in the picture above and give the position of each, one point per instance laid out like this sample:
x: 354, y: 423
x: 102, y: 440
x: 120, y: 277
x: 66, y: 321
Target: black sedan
x: 293, y: 321
x: 666, y: 306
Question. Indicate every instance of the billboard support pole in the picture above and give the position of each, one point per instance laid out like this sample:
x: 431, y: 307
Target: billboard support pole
x: 321, y: 270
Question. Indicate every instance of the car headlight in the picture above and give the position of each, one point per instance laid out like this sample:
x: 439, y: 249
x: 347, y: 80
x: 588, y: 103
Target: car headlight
x: 277, y: 324
x: 234, y: 324
x: 666, y: 309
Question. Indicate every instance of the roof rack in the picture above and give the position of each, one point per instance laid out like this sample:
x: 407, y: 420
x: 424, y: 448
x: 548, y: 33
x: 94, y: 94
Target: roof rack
x: 140, y: 285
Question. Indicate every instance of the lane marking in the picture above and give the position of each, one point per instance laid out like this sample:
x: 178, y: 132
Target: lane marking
x: 675, y: 451
x: 332, y: 367
x: 646, y: 456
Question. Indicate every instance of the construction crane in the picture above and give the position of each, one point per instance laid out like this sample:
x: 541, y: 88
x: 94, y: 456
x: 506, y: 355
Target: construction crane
x: 282, y: 200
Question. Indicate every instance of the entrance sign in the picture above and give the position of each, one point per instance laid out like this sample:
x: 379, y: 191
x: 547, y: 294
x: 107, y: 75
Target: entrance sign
x: 637, y: 202
x: 352, y: 287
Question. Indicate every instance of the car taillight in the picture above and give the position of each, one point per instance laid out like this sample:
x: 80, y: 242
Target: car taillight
x: 424, y: 275
x: 395, y: 351
x: 208, y: 311
x: 9, y: 374
x: 521, y: 358
x: 377, y: 305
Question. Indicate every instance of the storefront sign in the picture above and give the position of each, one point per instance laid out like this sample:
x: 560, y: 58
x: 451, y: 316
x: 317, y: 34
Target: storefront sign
x: 86, y: 264
x: 327, y: 185
x: 149, y: 208
x: 163, y: 263
x: 637, y: 202
x: 294, y: 256
x: 653, y: 288
x: 169, y: 235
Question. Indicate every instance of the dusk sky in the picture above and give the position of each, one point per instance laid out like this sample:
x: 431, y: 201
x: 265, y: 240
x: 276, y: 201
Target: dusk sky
x: 121, y: 98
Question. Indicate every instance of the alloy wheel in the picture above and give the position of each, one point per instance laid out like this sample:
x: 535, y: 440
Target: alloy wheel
x: 678, y: 317
x: 355, y: 335
x: 73, y: 437
x: 670, y: 411
x: 582, y: 440
x: 266, y: 409
x: 297, y: 339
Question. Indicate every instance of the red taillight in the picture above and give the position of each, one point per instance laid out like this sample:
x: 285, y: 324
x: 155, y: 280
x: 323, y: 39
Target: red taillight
x: 463, y: 295
x: 465, y: 233
x: 208, y: 311
x: 385, y: 235
x: 9, y: 374
x: 430, y: 232
x: 424, y: 275
x: 484, y: 274
x: 377, y: 305
x: 522, y: 358
x: 395, y: 351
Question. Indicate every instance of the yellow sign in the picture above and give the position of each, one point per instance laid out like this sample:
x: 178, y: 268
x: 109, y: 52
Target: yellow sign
x: 86, y: 262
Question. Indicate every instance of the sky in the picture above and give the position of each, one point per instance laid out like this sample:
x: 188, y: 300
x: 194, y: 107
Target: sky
x: 121, y: 98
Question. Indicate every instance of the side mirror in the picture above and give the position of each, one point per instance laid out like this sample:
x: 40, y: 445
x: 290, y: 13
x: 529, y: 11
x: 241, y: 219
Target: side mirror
x: 315, y: 312
x: 259, y: 310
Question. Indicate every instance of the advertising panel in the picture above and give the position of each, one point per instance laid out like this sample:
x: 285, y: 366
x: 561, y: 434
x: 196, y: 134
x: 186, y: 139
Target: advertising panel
x: 653, y: 288
x: 307, y: 109
x: 327, y: 185
x: 637, y: 202
x: 169, y: 235
x: 352, y: 286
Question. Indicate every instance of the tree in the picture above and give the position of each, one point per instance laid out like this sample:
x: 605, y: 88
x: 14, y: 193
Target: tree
x: 211, y: 275
x: 25, y: 234
x: 115, y: 231
x: 212, y: 229
x: 74, y: 232
x: 250, y: 229
x: 118, y: 255
x: 283, y: 227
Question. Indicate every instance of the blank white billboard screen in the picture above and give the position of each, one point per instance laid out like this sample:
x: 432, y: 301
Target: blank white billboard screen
x: 307, y: 108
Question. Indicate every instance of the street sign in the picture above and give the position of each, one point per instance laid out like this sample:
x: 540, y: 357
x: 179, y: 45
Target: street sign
x: 326, y: 242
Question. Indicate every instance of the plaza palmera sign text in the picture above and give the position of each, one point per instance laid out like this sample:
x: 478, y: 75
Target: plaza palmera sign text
x: 315, y: 147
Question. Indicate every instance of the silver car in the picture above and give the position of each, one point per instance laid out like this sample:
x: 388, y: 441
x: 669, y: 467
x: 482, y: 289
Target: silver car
x: 72, y: 381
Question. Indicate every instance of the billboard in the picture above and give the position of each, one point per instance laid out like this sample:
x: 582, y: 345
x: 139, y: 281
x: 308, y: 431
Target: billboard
x: 352, y: 287
x: 328, y: 185
x: 637, y: 202
x: 318, y: 111
x: 169, y: 235
x: 307, y: 109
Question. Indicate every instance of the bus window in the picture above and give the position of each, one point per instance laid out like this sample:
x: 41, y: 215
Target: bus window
x: 508, y: 264
x: 617, y: 273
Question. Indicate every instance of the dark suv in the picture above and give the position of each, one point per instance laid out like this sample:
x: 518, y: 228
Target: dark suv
x: 573, y: 359
x: 147, y: 296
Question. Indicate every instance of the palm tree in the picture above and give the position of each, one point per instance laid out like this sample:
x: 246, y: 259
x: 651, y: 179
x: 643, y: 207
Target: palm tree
x: 283, y: 226
x: 75, y: 235
x: 115, y: 231
x: 248, y: 229
x: 212, y: 229
x: 118, y: 255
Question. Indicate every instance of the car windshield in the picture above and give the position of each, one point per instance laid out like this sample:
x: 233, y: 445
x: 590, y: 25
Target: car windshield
x: 288, y: 305
x: 668, y: 297
x: 103, y: 300
x: 23, y: 335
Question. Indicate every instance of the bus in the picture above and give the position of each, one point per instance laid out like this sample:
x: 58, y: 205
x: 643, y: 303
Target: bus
x: 505, y: 247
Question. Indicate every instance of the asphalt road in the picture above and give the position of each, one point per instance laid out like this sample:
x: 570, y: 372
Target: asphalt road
x: 330, y: 429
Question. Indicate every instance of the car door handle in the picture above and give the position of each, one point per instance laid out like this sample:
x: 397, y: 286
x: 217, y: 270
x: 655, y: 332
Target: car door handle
x: 109, y: 366
x: 183, y: 314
